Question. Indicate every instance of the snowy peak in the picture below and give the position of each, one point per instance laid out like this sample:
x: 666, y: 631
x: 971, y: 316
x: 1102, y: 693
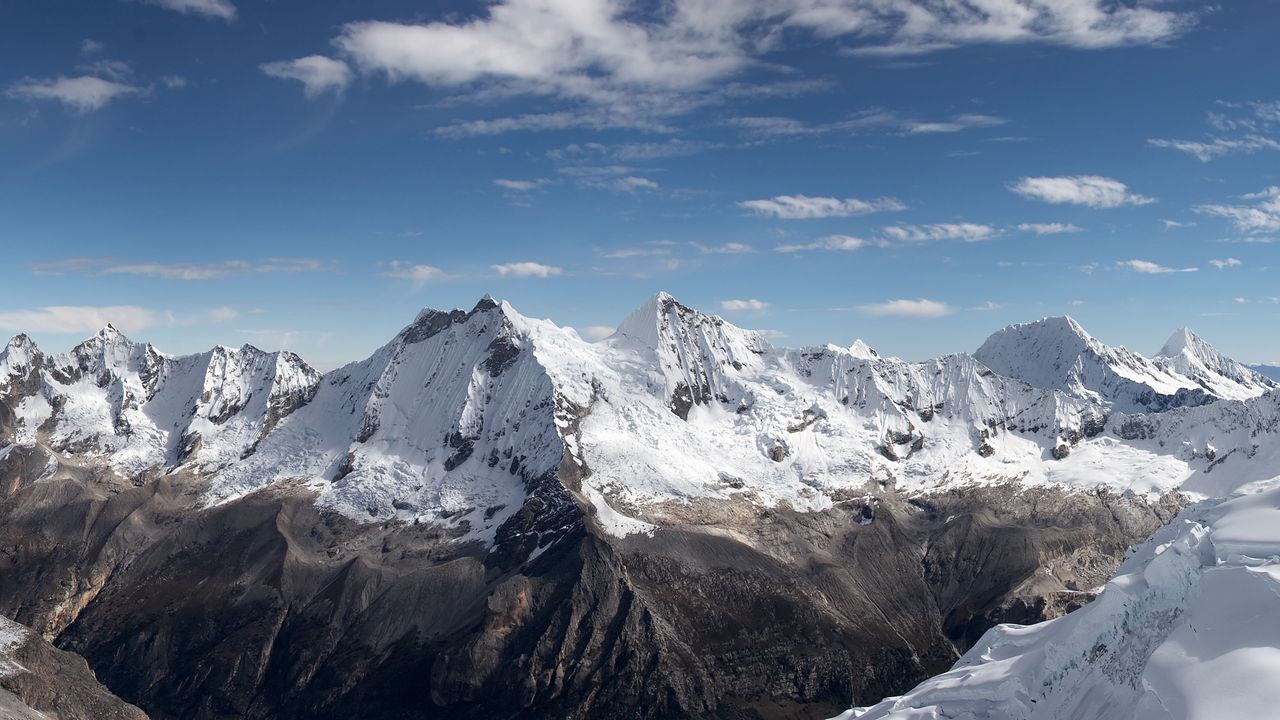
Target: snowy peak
x: 1058, y: 354
x: 701, y: 357
x: 1188, y: 354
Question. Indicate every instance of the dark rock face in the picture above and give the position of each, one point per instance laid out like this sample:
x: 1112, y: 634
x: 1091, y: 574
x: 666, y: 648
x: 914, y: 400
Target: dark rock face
x: 268, y: 607
x: 39, y: 681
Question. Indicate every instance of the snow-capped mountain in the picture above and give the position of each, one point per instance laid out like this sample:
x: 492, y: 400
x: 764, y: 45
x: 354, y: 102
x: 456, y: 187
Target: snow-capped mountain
x: 455, y: 418
x: 490, y: 496
x: 1190, y: 356
x: 1058, y: 354
x: 136, y: 408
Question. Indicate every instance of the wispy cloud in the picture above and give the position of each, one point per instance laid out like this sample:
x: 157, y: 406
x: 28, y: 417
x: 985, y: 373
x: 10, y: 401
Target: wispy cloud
x: 1049, y: 228
x: 1239, y: 129
x: 1090, y: 190
x: 959, y: 123
x: 218, y: 9
x: 317, y: 73
x: 521, y: 185
x: 729, y: 248
x: 1226, y: 263
x: 738, y: 305
x: 920, y: 308
x: 803, y: 207
x: 1263, y: 216
x: 82, y: 94
x: 526, y: 270
x: 416, y: 273
x: 831, y: 242
x: 967, y: 232
x: 178, y: 271
x: 69, y: 319
x: 1151, y: 268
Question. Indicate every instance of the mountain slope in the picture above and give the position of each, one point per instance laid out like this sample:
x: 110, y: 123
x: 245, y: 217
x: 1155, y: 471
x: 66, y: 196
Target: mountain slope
x: 1188, y: 628
x: 39, y: 682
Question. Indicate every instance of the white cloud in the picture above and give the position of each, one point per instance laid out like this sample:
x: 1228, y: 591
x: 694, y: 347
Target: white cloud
x: 729, y: 248
x: 527, y: 269
x: 77, y: 319
x: 647, y: 250
x: 633, y: 183
x: 988, y: 306
x: 961, y: 122
x: 317, y: 73
x: 736, y: 305
x: 1150, y: 268
x: 1049, y: 228
x: 89, y: 46
x: 416, y: 273
x: 619, y: 55
x: 220, y: 9
x: 920, y: 308
x: 1090, y: 190
x: 1239, y: 129
x: 830, y: 242
x: 1077, y: 303
x: 1226, y: 263
x: 521, y: 185
x: 82, y: 94
x: 968, y: 232
x: 1241, y: 301
x: 1204, y: 151
x: 1176, y: 224
x: 178, y: 271
x: 803, y: 207
x: 1261, y: 217
x: 597, y: 332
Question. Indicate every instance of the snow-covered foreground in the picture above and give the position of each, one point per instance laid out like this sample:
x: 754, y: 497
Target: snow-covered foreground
x: 1188, y: 628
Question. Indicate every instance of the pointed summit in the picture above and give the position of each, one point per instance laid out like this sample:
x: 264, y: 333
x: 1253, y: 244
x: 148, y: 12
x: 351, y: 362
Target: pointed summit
x: 1058, y: 354
x: 1188, y: 354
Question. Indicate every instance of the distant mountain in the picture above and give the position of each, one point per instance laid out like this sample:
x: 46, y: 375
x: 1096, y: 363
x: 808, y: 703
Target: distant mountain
x: 1270, y: 371
x: 490, y: 515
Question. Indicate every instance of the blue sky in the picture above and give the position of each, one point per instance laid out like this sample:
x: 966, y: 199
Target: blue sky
x: 308, y: 174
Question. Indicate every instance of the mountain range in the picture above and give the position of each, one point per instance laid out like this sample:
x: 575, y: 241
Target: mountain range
x: 491, y: 517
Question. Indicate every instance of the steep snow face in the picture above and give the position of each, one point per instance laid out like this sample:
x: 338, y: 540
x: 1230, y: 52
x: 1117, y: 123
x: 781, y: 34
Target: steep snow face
x: 1188, y: 355
x: 701, y: 358
x: 1188, y: 628
x: 448, y: 422
x: 1057, y: 354
x: 139, y: 409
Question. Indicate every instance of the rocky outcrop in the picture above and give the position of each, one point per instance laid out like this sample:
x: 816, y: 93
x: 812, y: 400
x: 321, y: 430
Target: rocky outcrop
x: 38, y: 681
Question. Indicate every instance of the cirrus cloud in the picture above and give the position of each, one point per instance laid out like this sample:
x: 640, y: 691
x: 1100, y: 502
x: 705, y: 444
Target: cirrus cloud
x: 804, y: 207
